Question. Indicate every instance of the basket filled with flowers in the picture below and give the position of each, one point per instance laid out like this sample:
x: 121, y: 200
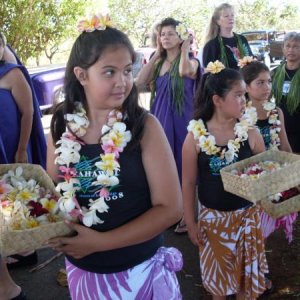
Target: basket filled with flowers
x: 29, y: 211
x: 282, y: 204
x: 262, y: 175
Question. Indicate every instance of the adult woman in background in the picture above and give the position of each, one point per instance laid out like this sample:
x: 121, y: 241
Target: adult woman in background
x: 12, y: 84
x: 221, y: 42
x: 286, y: 88
x: 173, y: 74
x: 22, y: 138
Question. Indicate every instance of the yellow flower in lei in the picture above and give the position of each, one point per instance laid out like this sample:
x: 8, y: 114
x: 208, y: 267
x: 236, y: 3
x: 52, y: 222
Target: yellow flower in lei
x: 245, y: 61
x: 207, y: 142
x: 108, y: 163
x: 273, y: 119
x: 214, y: 67
x: 114, y: 139
x: 197, y: 128
x: 95, y: 23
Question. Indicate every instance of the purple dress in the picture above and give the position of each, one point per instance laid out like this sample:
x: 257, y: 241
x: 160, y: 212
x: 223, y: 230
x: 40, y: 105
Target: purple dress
x: 10, y: 122
x: 174, y: 124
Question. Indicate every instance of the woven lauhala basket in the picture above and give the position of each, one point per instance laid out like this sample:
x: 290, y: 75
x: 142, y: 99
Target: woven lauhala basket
x: 277, y: 210
x: 269, y: 184
x: 14, y: 241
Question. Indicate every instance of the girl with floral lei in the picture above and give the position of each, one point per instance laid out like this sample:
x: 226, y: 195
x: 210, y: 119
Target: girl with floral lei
x: 270, y: 118
x: 228, y: 233
x: 271, y: 125
x: 116, y: 174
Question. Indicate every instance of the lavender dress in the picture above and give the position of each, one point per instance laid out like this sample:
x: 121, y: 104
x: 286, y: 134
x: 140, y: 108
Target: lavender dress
x: 10, y: 122
x: 174, y: 124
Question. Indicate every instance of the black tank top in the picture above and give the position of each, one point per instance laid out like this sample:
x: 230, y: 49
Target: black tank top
x: 126, y: 201
x: 211, y: 192
x: 264, y: 128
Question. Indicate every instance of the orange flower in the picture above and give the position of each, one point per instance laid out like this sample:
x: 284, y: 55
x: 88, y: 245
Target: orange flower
x: 99, y: 23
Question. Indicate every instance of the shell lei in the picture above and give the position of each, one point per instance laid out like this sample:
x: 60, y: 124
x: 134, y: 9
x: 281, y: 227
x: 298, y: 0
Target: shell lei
x: 207, y: 142
x: 273, y: 119
x: 114, y: 139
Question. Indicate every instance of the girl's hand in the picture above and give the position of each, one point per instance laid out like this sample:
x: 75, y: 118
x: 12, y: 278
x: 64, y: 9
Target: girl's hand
x: 21, y: 156
x: 79, y: 246
x: 195, y: 234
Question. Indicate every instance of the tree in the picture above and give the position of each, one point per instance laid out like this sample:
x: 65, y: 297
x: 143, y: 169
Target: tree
x: 137, y: 18
x: 31, y: 25
x: 261, y: 14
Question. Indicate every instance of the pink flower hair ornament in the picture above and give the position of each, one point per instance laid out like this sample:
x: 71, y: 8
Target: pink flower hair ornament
x: 95, y: 23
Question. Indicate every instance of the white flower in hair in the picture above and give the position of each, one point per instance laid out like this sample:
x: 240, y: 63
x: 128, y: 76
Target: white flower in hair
x: 182, y: 31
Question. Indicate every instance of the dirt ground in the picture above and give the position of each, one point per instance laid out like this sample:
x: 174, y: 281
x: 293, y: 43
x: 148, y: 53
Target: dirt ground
x: 283, y: 259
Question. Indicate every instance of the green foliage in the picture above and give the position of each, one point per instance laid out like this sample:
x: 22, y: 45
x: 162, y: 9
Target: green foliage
x: 261, y: 14
x: 31, y: 25
x: 136, y: 17
x: 36, y: 26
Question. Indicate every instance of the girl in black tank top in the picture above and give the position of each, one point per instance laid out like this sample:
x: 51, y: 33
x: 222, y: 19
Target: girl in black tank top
x: 226, y: 222
x: 118, y: 175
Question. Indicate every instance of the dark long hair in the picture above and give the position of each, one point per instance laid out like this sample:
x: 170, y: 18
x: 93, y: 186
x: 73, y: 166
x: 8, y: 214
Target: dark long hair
x: 85, y: 52
x: 251, y: 71
x: 213, y: 84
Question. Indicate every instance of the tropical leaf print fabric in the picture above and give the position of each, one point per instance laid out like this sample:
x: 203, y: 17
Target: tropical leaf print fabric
x: 232, y: 255
x: 154, y: 279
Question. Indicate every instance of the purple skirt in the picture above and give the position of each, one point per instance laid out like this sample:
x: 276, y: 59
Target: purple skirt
x: 153, y: 279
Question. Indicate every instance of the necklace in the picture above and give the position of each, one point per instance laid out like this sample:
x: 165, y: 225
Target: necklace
x: 207, y: 142
x: 273, y: 119
x: 114, y: 139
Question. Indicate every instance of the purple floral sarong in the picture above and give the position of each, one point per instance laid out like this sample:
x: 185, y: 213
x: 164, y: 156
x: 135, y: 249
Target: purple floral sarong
x: 154, y: 279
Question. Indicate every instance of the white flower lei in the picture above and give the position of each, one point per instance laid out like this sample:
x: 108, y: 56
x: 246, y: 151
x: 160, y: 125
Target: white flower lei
x: 273, y: 119
x: 207, y: 142
x: 113, y: 141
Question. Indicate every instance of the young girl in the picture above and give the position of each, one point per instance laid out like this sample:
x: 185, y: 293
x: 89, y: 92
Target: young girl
x: 228, y: 232
x: 118, y: 176
x: 271, y: 125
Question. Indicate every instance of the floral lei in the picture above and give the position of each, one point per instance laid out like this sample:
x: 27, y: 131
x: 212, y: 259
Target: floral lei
x: 272, y: 114
x: 114, y: 139
x: 207, y: 142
